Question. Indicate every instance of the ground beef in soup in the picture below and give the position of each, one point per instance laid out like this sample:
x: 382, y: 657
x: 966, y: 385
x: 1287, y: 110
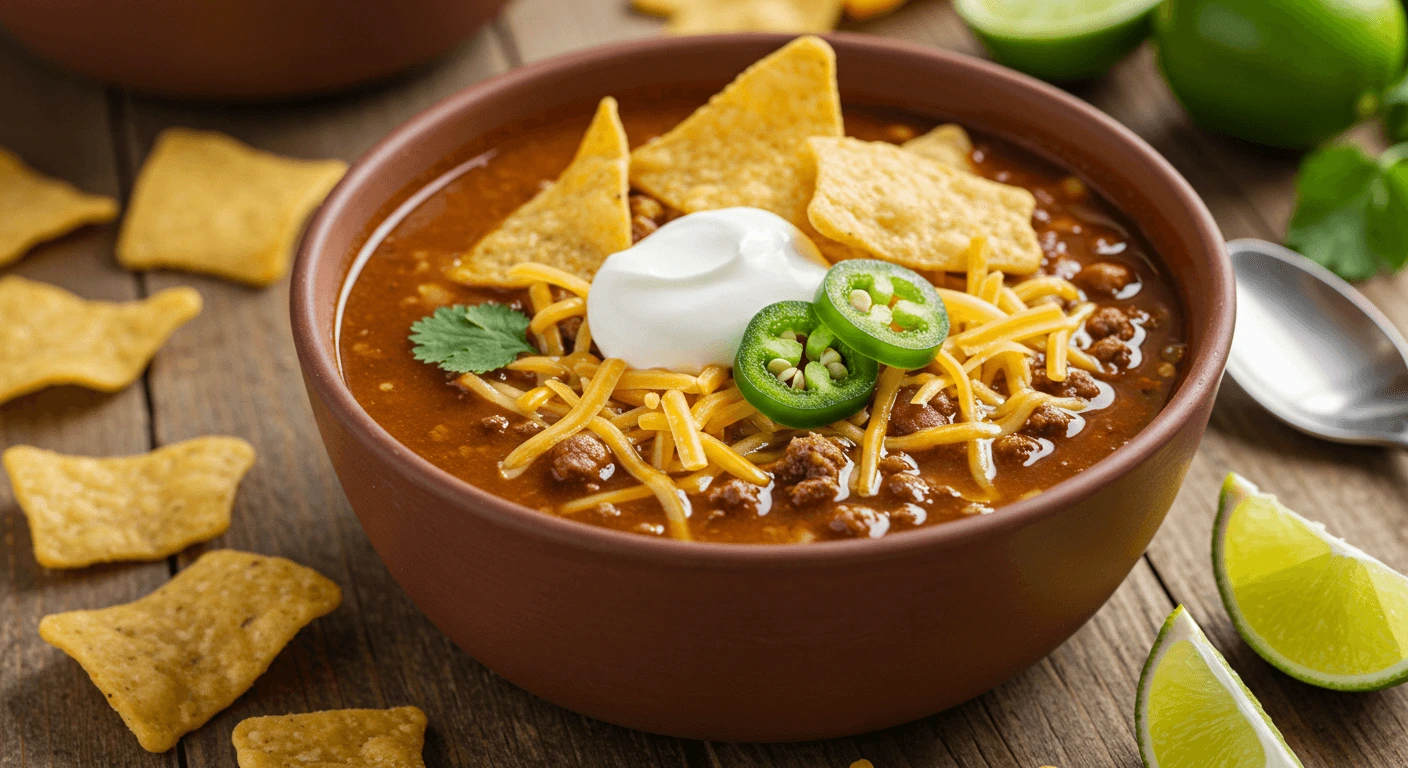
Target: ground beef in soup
x: 810, y: 471
x: 494, y: 425
x: 735, y: 495
x: 1047, y: 421
x: 1104, y: 279
x: 1015, y: 447
x: 906, y: 417
x: 1110, y: 321
x: 860, y: 521
x: 1078, y: 383
x: 906, y: 487
x: 579, y: 459
x: 1112, y: 351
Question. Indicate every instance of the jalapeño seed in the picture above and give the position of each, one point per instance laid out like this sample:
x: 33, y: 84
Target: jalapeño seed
x: 837, y: 370
x: 860, y: 300
x: 799, y: 381
x: 778, y: 365
x: 881, y: 314
x: 830, y: 356
x: 790, y: 335
x: 786, y: 374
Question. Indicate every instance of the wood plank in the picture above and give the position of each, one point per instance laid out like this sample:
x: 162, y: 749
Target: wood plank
x: 50, y: 713
x: 236, y: 373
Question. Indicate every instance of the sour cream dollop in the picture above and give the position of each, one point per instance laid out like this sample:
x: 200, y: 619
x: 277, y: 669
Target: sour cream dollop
x: 682, y: 297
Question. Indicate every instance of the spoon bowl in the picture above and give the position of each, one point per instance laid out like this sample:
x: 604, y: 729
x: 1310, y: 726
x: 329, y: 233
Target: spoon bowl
x: 1313, y: 351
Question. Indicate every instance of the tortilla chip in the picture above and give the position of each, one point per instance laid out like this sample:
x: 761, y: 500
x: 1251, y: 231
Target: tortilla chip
x: 83, y: 511
x: 665, y: 8
x: 702, y: 17
x: 747, y: 146
x: 860, y: 10
x: 912, y: 211
x: 35, y: 208
x: 171, y: 660
x: 206, y: 203
x: 572, y: 225
x: 339, y: 738
x: 48, y: 336
x: 947, y: 144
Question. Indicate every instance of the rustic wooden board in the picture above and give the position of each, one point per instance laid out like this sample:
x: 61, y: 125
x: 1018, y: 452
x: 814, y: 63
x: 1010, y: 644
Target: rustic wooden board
x: 233, y: 371
x: 50, y: 713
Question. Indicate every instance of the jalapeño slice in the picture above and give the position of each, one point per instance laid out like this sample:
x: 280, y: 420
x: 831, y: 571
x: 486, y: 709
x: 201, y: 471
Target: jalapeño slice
x: 883, y: 311
x: 795, y: 371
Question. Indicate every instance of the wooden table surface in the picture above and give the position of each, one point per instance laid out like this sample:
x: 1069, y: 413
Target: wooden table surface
x: 233, y: 371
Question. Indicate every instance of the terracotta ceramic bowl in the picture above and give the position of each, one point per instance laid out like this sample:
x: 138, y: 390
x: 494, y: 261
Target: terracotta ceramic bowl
x: 243, y: 49
x: 762, y: 643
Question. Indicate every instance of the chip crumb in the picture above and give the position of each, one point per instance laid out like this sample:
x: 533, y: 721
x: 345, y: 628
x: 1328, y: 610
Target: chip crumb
x: 881, y: 199
x: 572, y: 225
x: 50, y: 337
x: 35, y: 208
x: 204, y: 202
x: 747, y: 146
x: 85, y: 510
x: 339, y: 738
x: 170, y: 661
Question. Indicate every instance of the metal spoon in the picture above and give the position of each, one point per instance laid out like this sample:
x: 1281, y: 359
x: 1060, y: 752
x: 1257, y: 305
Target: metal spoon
x: 1314, y: 351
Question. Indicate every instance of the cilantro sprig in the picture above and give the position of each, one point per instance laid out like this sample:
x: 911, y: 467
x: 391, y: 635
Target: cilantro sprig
x: 474, y: 339
x: 1395, y: 110
x: 1352, y: 210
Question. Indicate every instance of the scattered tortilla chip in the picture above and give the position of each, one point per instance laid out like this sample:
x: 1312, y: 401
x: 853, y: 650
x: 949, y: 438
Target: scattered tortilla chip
x: 204, y: 202
x: 171, y: 660
x: 702, y: 17
x: 884, y: 200
x: 83, y: 511
x: 860, y: 10
x: 339, y: 738
x: 664, y: 8
x: 35, y: 208
x: 947, y: 144
x: 747, y: 146
x: 49, y: 337
x: 572, y: 225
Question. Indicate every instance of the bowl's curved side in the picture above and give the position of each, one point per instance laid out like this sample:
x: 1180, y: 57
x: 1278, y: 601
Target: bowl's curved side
x: 242, y: 49
x: 768, y: 643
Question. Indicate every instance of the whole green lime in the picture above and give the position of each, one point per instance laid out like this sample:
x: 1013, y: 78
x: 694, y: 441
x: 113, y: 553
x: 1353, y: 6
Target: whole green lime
x: 1287, y: 73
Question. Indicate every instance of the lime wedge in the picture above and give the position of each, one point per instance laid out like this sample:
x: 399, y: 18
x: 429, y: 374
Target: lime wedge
x: 1059, y: 40
x: 1192, y: 710
x: 1315, y: 607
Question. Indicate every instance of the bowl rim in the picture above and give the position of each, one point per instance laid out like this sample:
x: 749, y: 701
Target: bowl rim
x: 317, y: 359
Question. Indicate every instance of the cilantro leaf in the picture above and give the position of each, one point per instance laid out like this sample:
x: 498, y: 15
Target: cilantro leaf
x: 1352, y: 211
x: 476, y: 339
x: 1395, y: 110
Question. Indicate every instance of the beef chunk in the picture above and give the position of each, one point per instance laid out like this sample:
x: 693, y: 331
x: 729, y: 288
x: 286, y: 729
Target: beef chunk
x: 1104, y: 279
x: 816, y: 490
x: 526, y: 429
x: 1078, y: 383
x: 735, y: 495
x: 494, y: 425
x: 1047, y: 421
x: 1112, y: 351
x: 907, y: 418
x: 1110, y: 321
x: 810, y: 470
x: 579, y: 459
x: 1016, y: 447
x: 906, y: 487
x: 569, y: 328
x: 642, y: 227
x: 810, y: 457
x: 897, y: 462
x: 859, y: 521
x: 646, y: 216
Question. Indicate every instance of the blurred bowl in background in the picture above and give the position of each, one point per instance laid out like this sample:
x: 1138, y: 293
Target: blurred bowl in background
x: 242, y: 49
